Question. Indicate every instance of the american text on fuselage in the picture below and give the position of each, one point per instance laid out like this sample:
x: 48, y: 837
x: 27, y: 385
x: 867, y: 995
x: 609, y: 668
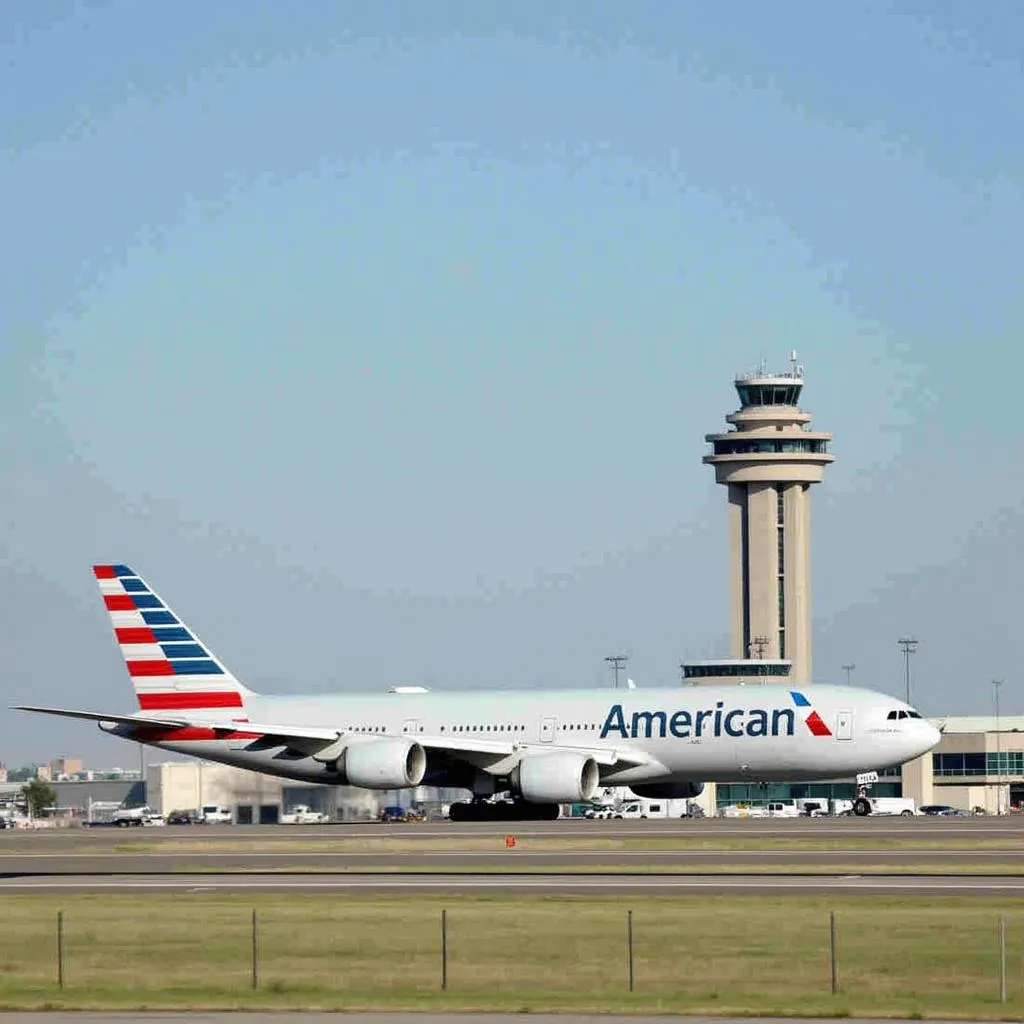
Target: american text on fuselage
x: 683, y: 724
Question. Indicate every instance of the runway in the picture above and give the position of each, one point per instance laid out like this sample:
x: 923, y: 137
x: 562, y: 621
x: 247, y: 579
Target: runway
x: 564, y: 884
x: 956, y: 862
x: 568, y: 855
x: 880, y: 828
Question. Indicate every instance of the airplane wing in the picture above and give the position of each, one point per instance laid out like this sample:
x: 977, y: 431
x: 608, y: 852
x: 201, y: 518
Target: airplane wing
x: 313, y: 739
x: 188, y: 722
x: 95, y: 716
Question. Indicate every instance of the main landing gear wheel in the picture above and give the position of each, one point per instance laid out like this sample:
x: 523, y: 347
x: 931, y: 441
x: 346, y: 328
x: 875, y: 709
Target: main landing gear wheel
x: 519, y: 810
x: 861, y: 807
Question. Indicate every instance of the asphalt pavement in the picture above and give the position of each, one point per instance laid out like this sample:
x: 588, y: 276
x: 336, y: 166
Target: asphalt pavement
x: 880, y: 828
x: 917, y: 885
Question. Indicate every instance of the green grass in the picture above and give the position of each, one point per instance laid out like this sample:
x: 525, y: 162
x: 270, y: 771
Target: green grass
x: 751, y: 955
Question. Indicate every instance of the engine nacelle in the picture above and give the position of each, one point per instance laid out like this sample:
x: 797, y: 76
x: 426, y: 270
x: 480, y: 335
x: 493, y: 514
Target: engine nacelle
x: 560, y: 777
x: 669, y: 790
x: 383, y: 763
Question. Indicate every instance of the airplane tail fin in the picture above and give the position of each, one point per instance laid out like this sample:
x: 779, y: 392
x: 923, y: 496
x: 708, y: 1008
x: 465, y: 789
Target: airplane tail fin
x: 170, y: 668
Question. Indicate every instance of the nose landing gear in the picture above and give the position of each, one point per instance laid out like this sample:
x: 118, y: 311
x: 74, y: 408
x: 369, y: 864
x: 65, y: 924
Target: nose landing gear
x: 862, y: 805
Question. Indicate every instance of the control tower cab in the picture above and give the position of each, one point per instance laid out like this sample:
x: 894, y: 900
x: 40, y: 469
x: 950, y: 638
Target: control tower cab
x: 768, y: 462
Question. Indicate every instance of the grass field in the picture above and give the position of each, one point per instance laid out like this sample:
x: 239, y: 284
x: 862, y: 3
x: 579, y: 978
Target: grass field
x: 712, y: 955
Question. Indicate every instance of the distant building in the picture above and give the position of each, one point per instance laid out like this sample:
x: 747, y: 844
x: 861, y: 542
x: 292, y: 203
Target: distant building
x: 63, y: 768
x: 255, y: 798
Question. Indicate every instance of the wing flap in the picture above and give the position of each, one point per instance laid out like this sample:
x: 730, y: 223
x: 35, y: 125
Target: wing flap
x: 604, y: 756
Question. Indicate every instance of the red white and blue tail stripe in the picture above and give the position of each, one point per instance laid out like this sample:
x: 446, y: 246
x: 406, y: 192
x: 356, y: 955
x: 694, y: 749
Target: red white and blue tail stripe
x: 170, y: 667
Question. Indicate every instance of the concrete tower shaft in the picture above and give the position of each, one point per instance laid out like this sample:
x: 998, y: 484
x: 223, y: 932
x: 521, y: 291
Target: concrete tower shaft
x: 768, y: 462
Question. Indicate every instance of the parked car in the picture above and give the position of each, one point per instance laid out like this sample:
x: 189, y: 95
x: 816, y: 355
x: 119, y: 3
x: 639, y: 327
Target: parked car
x: 944, y: 811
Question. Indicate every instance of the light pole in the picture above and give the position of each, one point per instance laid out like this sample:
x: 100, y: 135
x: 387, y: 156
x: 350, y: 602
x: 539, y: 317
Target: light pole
x: 996, y: 683
x: 848, y: 669
x: 616, y: 661
x: 909, y: 645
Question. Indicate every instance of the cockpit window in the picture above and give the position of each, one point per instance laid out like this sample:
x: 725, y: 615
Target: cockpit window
x: 895, y: 715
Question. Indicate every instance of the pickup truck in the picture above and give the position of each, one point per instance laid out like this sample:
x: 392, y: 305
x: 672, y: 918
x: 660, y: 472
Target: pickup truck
x: 303, y: 815
x: 214, y: 814
x: 125, y: 817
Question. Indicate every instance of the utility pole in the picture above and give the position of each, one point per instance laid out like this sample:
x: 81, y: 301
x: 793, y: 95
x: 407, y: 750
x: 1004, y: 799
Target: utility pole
x: 848, y: 669
x: 996, y: 683
x: 617, y: 661
x: 909, y: 645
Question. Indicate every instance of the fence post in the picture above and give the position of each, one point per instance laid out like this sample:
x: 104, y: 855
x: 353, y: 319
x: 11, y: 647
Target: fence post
x: 444, y: 948
x: 1002, y: 959
x: 255, y: 950
x: 832, y: 950
x: 629, y: 945
x: 60, y: 948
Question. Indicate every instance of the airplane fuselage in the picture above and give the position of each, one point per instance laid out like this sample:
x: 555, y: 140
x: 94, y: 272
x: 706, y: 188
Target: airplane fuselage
x: 751, y: 732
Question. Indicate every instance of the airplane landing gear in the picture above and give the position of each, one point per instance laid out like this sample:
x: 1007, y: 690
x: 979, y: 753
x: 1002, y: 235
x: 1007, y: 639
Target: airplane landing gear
x: 862, y: 805
x: 515, y: 810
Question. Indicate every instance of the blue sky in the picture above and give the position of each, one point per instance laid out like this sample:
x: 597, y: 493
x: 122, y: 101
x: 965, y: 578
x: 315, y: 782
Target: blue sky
x: 383, y: 338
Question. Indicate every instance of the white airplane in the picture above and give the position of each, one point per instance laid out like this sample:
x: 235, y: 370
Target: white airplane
x: 544, y: 748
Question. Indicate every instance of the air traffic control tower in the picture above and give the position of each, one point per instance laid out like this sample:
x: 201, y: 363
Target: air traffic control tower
x: 769, y: 462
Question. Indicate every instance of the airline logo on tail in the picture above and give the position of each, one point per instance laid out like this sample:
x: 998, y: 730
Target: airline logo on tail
x: 168, y: 665
x: 813, y: 721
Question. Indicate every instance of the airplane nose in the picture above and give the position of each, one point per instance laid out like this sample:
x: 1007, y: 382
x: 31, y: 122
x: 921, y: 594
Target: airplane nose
x: 927, y: 736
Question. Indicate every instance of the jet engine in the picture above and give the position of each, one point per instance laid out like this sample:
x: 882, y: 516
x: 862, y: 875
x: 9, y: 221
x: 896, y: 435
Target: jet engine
x: 557, y: 778
x: 669, y: 790
x: 383, y: 763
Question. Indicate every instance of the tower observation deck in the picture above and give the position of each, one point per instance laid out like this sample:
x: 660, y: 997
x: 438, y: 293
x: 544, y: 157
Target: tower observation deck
x: 768, y: 462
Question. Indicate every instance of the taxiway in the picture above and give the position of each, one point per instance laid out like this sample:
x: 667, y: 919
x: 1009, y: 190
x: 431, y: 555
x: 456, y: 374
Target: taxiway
x: 561, y: 884
x: 880, y: 828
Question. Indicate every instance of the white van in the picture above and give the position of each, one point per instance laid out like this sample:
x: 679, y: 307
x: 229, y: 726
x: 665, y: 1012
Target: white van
x: 215, y: 814
x: 644, y: 808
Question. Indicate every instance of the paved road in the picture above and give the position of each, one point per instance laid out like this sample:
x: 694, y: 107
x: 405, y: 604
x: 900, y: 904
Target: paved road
x: 78, y: 1017
x: 323, y: 848
x: 539, y: 883
x: 503, y: 860
x: 884, y: 828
